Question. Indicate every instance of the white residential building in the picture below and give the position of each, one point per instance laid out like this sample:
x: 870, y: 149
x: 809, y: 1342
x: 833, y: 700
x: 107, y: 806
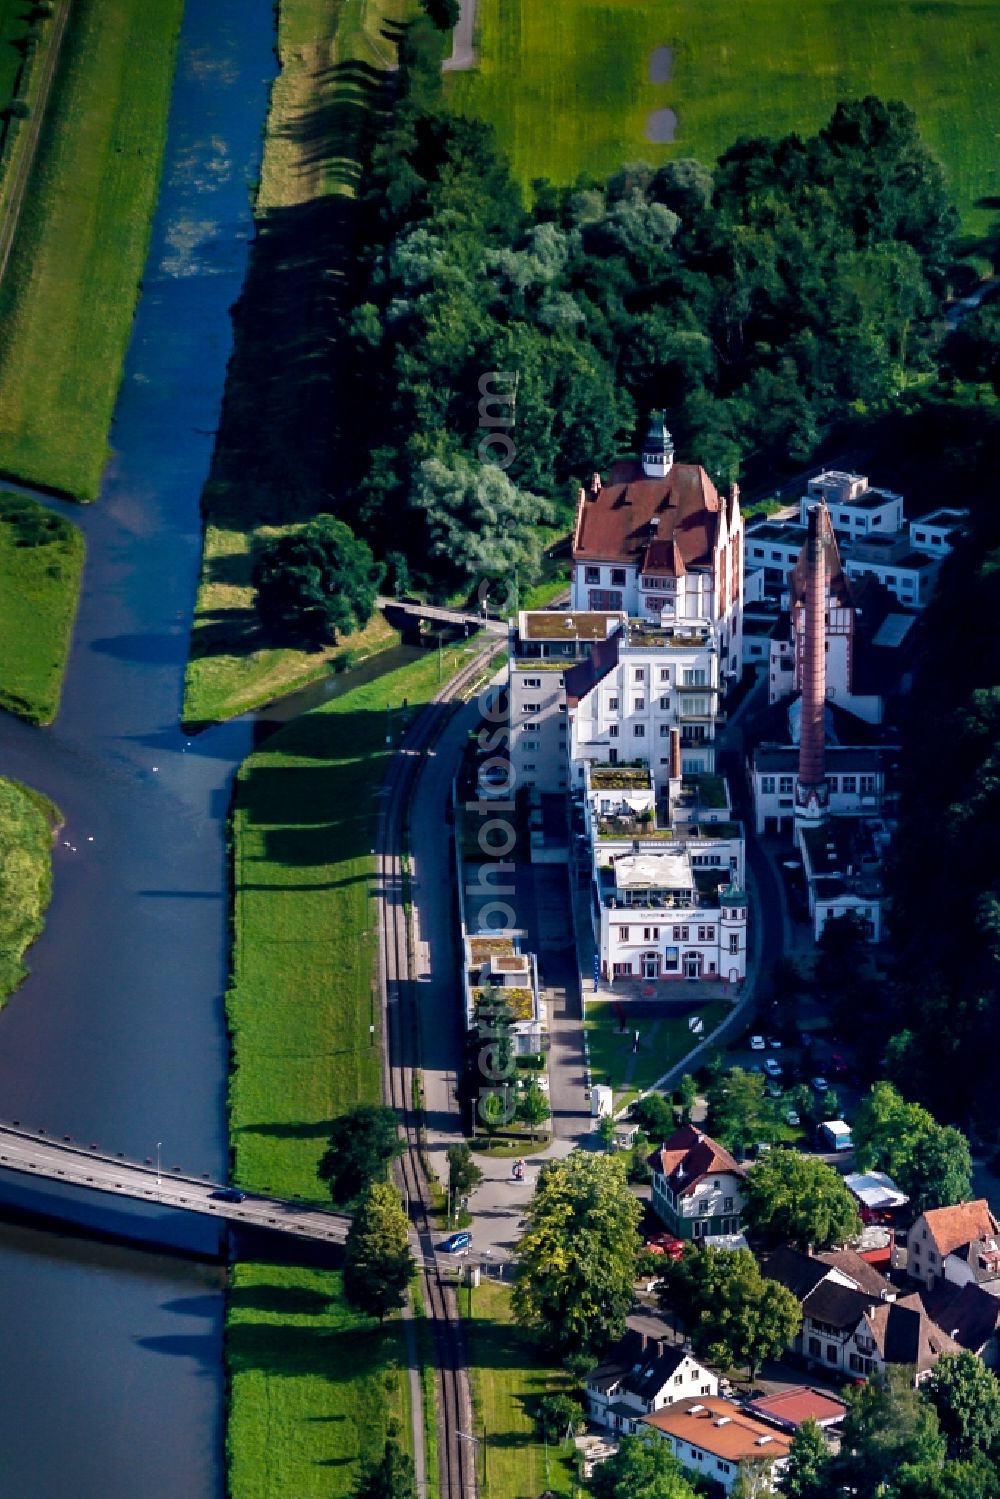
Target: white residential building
x: 855, y: 775
x: 875, y: 539
x: 717, y: 1439
x: 659, y: 542
x: 642, y: 1374
x: 698, y: 1188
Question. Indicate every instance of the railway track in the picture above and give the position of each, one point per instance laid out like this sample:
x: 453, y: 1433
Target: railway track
x: 457, y: 1453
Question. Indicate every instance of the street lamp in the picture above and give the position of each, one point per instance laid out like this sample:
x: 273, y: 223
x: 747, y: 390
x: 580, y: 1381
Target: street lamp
x: 159, y: 1145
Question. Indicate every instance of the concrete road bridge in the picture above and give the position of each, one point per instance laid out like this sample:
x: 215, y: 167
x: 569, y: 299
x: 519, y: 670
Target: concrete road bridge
x: 37, y: 1154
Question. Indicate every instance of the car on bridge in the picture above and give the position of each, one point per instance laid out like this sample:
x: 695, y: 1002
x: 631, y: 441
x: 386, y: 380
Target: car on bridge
x: 227, y: 1194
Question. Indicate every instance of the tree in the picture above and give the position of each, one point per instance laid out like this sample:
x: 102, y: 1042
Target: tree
x: 930, y: 1162
x: 731, y: 1312
x: 798, y: 1199
x: 888, y: 1424
x: 443, y: 13
x: 643, y: 1468
x: 316, y: 582
x: 966, y: 1396
x: 654, y: 1115
x: 738, y: 1109
x: 377, y: 1260
x: 362, y: 1143
x: 533, y: 1107
x: 686, y: 1095
x: 607, y: 1130
x: 575, y: 1263
x: 464, y: 1174
x: 807, y: 1474
x: 558, y: 1416
x: 392, y: 1477
x: 478, y: 522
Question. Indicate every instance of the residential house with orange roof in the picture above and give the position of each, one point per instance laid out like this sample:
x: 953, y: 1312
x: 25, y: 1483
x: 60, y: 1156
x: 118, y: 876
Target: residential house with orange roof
x: 697, y: 1185
x: 716, y: 1439
x: 941, y: 1232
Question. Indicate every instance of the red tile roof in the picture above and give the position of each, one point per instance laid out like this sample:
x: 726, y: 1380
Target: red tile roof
x: 719, y: 1427
x: 689, y: 1156
x: 954, y: 1226
x: 615, y: 524
x: 789, y: 1408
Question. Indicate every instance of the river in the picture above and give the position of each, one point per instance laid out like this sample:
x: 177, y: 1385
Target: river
x: 111, y: 1376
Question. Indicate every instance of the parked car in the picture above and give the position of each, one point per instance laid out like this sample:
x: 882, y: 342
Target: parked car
x: 455, y: 1243
x: 772, y: 1067
x: 774, y: 1042
x: 227, y: 1194
x: 666, y: 1244
x: 821, y: 1085
x: 792, y: 1118
x: 757, y: 1043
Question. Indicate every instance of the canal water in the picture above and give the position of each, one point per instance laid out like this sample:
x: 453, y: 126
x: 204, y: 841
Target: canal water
x: 111, y: 1368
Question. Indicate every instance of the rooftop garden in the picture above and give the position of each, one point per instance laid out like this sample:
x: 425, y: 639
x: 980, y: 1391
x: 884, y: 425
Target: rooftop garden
x: 710, y: 789
x: 481, y: 948
x: 633, y: 776
x: 519, y: 1001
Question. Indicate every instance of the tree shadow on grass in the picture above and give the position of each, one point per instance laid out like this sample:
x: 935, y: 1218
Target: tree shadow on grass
x: 340, y: 1355
x: 290, y: 1301
x: 310, y: 1129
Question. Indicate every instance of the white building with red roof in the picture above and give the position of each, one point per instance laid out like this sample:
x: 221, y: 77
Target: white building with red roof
x: 697, y: 1185
x: 661, y: 544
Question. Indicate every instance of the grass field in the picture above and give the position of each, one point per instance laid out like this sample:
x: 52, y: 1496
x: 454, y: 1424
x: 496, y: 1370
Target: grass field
x: 275, y: 450
x: 663, y: 1042
x: 13, y: 25
x: 314, y: 1386
x: 313, y: 1382
x: 41, y: 562
x: 27, y: 822
x: 67, y: 300
x: 508, y: 1376
x: 231, y: 667
x: 568, y: 86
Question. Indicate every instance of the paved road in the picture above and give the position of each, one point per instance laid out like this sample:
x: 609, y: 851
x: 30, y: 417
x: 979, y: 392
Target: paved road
x: 463, y: 54
x: 80, y: 1167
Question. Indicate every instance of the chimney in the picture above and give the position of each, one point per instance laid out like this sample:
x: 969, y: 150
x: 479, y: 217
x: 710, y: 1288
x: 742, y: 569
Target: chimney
x: 675, y: 754
x: 811, y: 791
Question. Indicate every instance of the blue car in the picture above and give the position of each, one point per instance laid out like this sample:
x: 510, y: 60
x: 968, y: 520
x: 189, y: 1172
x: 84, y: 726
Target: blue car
x: 457, y: 1242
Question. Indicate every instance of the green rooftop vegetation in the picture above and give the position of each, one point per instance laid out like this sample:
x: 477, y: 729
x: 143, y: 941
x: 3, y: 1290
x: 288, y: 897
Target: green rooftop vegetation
x: 711, y: 789
x: 519, y: 1001
x: 620, y: 777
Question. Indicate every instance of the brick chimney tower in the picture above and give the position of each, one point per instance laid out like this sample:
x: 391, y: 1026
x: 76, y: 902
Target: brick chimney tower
x: 811, y: 788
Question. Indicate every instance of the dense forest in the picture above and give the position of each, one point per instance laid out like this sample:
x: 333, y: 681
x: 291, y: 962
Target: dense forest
x: 796, y: 285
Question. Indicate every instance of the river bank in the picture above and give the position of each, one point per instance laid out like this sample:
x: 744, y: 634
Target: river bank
x: 117, y: 1035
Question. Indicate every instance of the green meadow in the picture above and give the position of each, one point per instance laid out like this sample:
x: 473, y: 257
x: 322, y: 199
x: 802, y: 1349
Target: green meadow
x: 567, y: 84
x: 67, y: 299
x: 28, y: 821
x: 313, y: 1387
x: 41, y: 562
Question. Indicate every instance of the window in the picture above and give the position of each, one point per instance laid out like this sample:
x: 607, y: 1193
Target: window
x: 651, y: 934
x: 592, y: 575
x: 756, y: 551
x: 529, y: 744
x: 722, y: 1466
x: 640, y: 731
x: 681, y: 933
x: 694, y: 677
x: 664, y: 703
x: 786, y: 785
x: 664, y: 734
x: 612, y: 757
x: 734, y: 943
x: 849, y: 785
x: 532, y: 682
x: 678, y: 1379
x: 612, y: 705
x: 639, y: 706
x: 529, y: 725
x: 532, y: 707
x: 931, y: 1257
x: 867, y: 785
x: 775, y: 556
x: 623, y: 932
x: 706, y: 934
x: 767, y: 785
x: 834, y: 783
x: 815, y: 1347
x: 613, y: 731
x: 727, y: 1205
x: 639, y: 674
x: 665, y: 674
x: 831, y: 1353
x: 618, y: 577
x: 528, y: 767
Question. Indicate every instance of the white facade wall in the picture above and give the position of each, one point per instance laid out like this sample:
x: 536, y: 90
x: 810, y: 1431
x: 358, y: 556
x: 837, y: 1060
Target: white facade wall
x: 933, y: 533
x: 865, y: 908
x: 857, y: 794
x: 911, y: 584
x: 695, y: 942
x: 719, y: 1470
x: 690, y: 1379
x: 629, y: 714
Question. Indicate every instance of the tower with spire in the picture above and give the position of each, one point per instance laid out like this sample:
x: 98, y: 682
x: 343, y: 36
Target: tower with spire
x: 657, y: 449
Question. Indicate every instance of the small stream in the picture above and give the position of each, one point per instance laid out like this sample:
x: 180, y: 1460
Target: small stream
x: 111, y: 1380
